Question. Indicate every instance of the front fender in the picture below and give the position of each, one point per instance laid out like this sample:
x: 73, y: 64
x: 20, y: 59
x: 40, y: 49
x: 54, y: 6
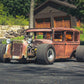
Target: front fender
x: 8, y: 51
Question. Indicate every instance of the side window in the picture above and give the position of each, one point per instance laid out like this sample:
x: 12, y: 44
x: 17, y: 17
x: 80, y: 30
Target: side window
x: 39, y: 35
x: 59, y: 36
x: 76, y: 36
x: 69, y: 36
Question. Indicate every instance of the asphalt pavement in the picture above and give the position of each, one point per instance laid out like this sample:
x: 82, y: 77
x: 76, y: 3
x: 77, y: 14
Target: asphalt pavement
x: 61, y: 72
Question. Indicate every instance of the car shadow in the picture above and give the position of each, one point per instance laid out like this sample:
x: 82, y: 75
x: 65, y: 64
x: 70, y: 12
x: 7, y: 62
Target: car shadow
x: 65, y: 60
x: 46, y: 71
x: 34, y: 62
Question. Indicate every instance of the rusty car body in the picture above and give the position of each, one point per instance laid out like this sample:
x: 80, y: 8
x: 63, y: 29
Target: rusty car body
x: 45, y: 45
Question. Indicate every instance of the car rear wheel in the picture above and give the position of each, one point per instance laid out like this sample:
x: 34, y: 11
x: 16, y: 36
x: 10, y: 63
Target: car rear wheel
x: 80, y: 54
x: 45, y: 54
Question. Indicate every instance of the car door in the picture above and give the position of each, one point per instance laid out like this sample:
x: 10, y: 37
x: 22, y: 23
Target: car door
x: 59, y: 44
x: 69, y: 38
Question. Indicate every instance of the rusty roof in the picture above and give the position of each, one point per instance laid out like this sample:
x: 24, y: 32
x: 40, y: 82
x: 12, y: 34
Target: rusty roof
x: 65, y: 29
x: 39, y: 30
x: 49, y: 30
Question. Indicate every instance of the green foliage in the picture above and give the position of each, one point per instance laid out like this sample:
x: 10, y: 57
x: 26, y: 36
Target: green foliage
x: 15, y: 38
x: 16, y: 7
x: 2, y: 12
x: 80, y: 7
x: 10, y: 20
x: 81, y: 37
x: 39, y: 2
x: 19, y: 7
x: 7, y: 19
x: 81, y: 29
x: 4, y: 42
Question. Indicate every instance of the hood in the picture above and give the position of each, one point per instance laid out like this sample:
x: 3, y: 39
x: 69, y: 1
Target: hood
x: 42, y: 41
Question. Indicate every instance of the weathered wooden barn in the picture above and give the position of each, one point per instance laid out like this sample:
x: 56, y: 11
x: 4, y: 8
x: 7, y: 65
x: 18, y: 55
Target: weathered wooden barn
x: 55, y: 13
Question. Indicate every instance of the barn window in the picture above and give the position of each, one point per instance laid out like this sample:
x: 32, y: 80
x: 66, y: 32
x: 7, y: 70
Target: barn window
x: 47, y: 20
x: 66, y: 18
x: 69, y: 36
x: 58, y: 19
x: 40, y: 21
x: 59, y: 36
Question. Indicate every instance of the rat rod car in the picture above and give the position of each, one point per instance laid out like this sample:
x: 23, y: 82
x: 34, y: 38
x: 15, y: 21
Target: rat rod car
x: 44, y: 46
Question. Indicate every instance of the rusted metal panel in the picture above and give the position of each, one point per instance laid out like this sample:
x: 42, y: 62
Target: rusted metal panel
x: 17, y: 49
x: 65, y: 29
x: 39, y: 30
x: 68, y: 50
x: 25, y: 46
x: 60, y: 50
x: 8, y: 51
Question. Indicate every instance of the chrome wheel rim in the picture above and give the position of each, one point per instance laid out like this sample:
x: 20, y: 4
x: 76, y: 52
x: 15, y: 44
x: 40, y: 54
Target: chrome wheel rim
x: 50, y: 55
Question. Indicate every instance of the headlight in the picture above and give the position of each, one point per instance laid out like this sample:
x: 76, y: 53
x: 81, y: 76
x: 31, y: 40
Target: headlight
x: 29, y: 41
x: 8, y: 41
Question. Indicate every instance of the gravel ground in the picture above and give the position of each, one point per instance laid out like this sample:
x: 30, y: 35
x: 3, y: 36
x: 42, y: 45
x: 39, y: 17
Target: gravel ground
x: 61, y: 72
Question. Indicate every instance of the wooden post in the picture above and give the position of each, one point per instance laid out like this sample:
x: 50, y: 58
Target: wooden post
x: 31, y: 22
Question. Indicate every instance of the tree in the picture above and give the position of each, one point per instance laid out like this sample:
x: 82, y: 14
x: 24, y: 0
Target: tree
x: 80, y: 7
x: 39, y: 2
x: 16, y: 7
x: 31, y: 22
x: 19, y: 7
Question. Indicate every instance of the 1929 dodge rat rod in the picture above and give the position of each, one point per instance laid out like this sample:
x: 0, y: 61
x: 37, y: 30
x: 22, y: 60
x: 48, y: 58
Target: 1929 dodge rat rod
x: 44, y: 46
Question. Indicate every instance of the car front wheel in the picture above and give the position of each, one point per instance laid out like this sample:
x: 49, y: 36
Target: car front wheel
x: 45, y: 54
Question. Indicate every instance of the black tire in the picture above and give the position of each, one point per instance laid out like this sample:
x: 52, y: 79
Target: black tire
x: 80, y: 54
x: 45, y: 54
x: 2, y: 52
x: 7, y: 60
x: 73, y: 54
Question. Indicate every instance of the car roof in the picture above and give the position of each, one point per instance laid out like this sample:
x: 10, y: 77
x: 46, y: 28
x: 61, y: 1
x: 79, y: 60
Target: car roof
x: 39, y: 30
x: 50, y: 30
x: 65, y: 29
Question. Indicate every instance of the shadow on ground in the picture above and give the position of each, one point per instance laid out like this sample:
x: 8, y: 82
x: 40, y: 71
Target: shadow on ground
x: 47, y: 71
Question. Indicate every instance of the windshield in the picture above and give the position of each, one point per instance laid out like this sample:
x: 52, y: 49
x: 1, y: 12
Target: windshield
x: 42, y: 35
